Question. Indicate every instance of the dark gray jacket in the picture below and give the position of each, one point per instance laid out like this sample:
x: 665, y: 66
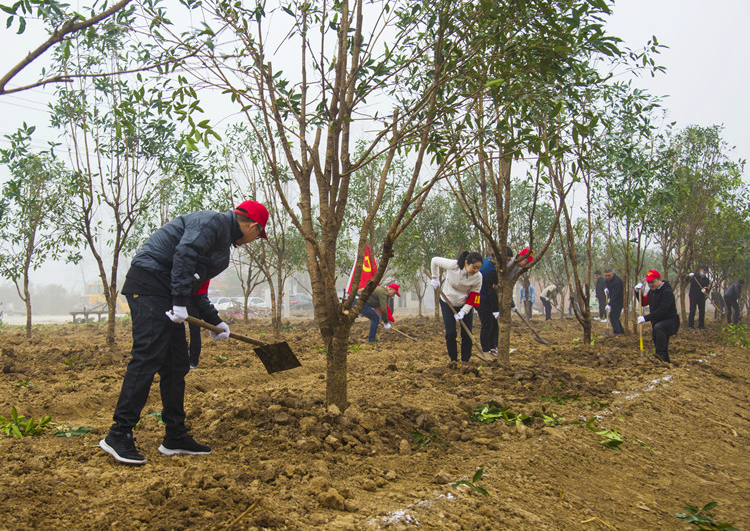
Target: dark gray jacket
x: 188, y: 250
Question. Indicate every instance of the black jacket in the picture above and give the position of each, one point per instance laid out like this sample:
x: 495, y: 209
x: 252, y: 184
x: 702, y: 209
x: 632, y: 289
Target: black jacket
x: 601, y: 283
x: 697, y: 283
x: 734, y: 292
x: 616, y: 292
x: 661, y: 304
x: 184, y: 253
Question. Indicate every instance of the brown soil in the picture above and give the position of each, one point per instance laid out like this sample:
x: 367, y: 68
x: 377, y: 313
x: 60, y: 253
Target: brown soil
x: 282, y: 461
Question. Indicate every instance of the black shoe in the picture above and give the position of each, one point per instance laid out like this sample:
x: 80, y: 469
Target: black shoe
x: 183, y: 445
x: 121, y: 446
x: 665, y: 359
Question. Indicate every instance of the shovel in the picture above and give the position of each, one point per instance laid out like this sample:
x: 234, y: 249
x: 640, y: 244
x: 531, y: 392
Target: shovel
x: 405, y: 335
x: 537, y: 337
x: 275, y: 357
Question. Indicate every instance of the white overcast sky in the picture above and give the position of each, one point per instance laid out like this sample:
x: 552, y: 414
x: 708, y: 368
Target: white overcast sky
x: 707, y: 79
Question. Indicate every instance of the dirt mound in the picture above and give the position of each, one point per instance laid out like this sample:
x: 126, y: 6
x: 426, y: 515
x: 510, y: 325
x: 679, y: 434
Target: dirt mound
x: 281, y: 460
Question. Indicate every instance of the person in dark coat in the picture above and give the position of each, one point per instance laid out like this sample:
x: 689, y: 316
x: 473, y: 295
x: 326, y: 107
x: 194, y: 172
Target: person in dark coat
x: 731, y: 301
x: 167, y: 270
x: 665, y: 321
x: 699, y: 286
x: 601, y: 297
x: 615, y: 290
x: 489, y: 306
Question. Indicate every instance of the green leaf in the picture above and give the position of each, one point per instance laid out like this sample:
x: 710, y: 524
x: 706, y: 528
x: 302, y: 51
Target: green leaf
x: 478, y: 475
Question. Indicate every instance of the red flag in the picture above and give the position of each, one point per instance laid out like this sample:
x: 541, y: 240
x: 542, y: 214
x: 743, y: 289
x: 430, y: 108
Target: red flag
x: 369, y: 268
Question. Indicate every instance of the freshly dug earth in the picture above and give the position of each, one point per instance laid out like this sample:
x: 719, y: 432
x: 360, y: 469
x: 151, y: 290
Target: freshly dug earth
x: 281, y: 460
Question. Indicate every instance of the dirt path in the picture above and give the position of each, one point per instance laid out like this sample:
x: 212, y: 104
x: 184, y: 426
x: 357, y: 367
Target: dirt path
x: 282, y: 461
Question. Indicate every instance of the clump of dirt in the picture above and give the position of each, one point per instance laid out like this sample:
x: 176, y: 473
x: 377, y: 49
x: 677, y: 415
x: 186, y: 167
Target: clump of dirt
x: 392, y: 459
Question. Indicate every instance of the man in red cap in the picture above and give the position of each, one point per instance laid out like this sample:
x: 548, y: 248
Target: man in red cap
x: 665, y: 321
x: 378, y: 301
x: 170, y: 268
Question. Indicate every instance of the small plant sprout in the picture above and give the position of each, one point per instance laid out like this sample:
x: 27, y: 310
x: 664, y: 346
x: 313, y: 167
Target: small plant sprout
x: 703, y: 518
x: 492, y: 412
x: 221, y: 358
x: 18, y: 426
x: 735, y: 335
x: 422, y: 439
x: 473, y: 483
x: 61, y: 430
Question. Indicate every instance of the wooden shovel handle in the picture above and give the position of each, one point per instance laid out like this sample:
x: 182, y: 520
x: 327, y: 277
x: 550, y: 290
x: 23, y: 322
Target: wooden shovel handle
x: 208, y: 326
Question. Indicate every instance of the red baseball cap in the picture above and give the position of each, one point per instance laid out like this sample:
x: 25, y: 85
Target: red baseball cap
x: 256, y: 212
x: 395, y: 287
x: 653, y: 274
x: 528, y: 254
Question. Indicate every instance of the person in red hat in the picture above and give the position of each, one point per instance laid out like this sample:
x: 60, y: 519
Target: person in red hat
x: 665, y: 322
x: 378, y: 301
x: 167, y: 270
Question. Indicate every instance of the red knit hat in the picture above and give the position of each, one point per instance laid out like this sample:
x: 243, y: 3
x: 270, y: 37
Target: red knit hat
x: 256, y: 212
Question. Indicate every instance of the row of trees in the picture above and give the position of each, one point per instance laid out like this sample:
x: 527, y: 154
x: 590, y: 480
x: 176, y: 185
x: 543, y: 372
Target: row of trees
x: 398, y: 124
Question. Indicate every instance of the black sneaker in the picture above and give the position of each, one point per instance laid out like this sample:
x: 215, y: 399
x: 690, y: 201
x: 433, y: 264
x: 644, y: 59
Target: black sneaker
x: 183, y: 445
x: 121, y: 446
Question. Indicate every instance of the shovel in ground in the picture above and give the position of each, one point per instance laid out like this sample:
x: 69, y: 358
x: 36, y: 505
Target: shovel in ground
x: 275, y: 357
x: 537, y: 337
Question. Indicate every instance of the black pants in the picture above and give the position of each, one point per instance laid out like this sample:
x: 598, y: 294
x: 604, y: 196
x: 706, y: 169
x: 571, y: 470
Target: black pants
x: 660, y: 334
x: 547, y: 308
x: 195, y: 344
x: 732, y: 305
x: 614, y: 318
x: 699, y: 303
x: 159, y: 346
x: 451, y: 332
x: 489, y: 332
x: 602, y: 307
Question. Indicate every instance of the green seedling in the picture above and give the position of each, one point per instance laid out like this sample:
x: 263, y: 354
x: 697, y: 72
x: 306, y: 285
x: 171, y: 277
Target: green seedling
x: 422, y: 439
x: 74, y: 360
x: 473, y: 483
x: 557, y: 399
x: 576, y: 341
x: 552, y: 419
x: 154, y: 414
x: 735, y: 335
x: 18, y: 426
x: 356, y: 347
x: 492, y: 412
x: 612, y: 439
x: 25, y: 383
x: 597, y: 403
x: 703, y: 518
x: 221, y: 358
x: 320, y: 349
x: 62, y: 430
x: 287, y: 327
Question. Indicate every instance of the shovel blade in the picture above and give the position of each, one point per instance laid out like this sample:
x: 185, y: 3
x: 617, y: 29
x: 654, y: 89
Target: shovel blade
x: 542, y: 340
x: 277, y: 357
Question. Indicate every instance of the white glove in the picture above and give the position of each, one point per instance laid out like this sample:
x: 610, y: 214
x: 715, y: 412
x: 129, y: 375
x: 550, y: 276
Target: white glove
x: 608, y: 307
x: 496, y: 315
x: 387, y: 326
x: 178, y: 314
x: 220, y: 336
x: 639, y: 286
x: 435, y: 283
x: 460, y: 315
x: 514, y: 309
x: 606, y: 291
x: 691, y: 275
x: 641, y: 319
x: 705, y: 291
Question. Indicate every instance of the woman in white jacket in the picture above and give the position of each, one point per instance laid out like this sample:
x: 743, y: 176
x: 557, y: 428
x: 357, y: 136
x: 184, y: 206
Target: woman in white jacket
x: 461, y: 287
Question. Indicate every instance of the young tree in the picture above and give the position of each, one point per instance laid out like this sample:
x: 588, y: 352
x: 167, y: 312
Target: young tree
x: 30, y: 209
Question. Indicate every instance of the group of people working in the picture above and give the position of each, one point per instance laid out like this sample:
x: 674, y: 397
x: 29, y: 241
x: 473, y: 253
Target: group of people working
x: 168, y: 280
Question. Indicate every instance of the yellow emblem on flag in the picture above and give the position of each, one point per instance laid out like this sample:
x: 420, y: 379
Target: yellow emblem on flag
x: 366, y: 264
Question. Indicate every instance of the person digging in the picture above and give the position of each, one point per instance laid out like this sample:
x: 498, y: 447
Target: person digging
x: 665, y: 321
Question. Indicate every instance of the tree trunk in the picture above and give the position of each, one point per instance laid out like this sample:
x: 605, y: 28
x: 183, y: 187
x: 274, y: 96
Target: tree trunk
x: 336, y: 366
x: 27, y: 300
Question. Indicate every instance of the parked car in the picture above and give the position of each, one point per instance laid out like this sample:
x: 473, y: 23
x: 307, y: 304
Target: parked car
x: 222, y: 303
x: 300, y: 301
x: 257, y: 302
